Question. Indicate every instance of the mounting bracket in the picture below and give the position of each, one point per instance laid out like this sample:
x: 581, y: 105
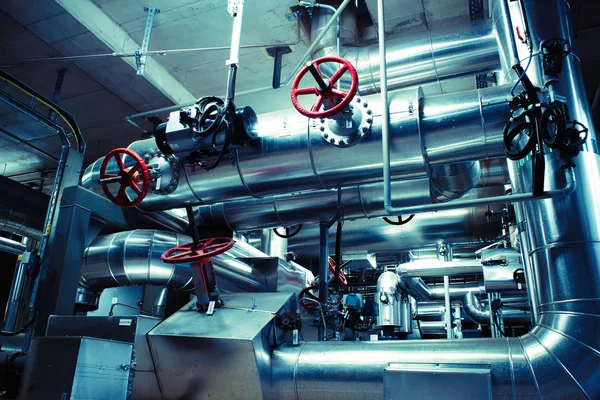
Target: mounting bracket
x: 140, y: 55
x: 277, y: 53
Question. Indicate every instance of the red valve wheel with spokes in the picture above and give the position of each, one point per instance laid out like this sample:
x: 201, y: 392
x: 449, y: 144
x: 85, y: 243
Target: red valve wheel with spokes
x: 325, y: 88
x: 127, y: 177
x: 200, y: 251
x: 342, y: 278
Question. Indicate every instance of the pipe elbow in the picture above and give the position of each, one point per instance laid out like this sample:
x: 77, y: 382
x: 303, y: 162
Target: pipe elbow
x: 475, y: 310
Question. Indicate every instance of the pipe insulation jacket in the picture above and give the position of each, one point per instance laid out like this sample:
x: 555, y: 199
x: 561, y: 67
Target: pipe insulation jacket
x: 290, y: 155
x: 559, y: 357
x: 133, y: 258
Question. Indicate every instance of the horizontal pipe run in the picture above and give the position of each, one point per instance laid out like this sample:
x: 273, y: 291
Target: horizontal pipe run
x: 11, y: 246
x: 567, y: 190
x: 432, y: 268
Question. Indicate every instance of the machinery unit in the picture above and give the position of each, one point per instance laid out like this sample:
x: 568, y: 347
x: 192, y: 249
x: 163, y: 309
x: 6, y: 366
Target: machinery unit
x: 372, y: 239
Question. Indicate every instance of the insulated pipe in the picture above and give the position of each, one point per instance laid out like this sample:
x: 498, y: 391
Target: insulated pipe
x: 290, y: 156
x: 11, y: 246
x: 481, y: 314
x: 133, y: 258
x: 416, y: 59
x: 363, y: 201
x: 428, y: 268
x: 421, y: 291
x: 559, y: 357
x: 376, y: 235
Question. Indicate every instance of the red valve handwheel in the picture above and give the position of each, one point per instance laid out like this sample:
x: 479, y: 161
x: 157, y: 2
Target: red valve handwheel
x: 331, y: 92
x: 206, y: 248
x: 342, y: 278
x: 130, y: 177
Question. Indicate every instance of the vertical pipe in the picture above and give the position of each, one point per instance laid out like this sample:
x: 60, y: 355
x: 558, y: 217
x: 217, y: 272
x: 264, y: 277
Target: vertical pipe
x: 16, y: 290
x: 323, y: 267
x: 385, y: 114
x: 448, y: 314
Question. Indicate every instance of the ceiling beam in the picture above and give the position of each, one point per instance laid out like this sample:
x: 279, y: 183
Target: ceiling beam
x: 116, y: 38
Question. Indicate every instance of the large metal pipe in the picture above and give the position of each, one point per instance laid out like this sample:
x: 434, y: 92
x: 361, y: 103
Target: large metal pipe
x: 375, y: 235
x: 363, y: 201
x: 290, y: 155
x: 133, y: 258
x: 559, y: 357
x: 418, y: 59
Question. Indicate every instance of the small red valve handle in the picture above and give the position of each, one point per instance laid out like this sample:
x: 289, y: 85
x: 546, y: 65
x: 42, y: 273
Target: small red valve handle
x: 329, y: 92
x: 342, y: 278
x: 131, y: 177
x: 200, y: 251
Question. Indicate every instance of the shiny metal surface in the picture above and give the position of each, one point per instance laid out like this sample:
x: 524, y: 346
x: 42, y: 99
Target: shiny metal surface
x: 432, y: 381
x: 364, y: 201
x: 21, y: 224
x: 354, y: 370
x: 88, y: 368
x: 348, y: 30
x: 16, y: 295
x: 290, y: 155
x: 480, y: 313
x: 375, y: 235
x: 425, y: 268
x: 389, y: 300
x: 226, y: 355
x: 273, y: 245
x: 133, y: 258
x: 427, y: 57
x: 500, y: 277
x: 11, y: 246
x: 559, y: 357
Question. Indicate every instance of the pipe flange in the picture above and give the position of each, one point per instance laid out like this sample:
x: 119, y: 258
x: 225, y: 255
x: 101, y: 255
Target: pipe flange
x: 165, y: 172
x: 346, y: 129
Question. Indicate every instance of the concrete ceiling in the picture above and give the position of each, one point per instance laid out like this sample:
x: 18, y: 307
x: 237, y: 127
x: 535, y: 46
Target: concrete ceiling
x: 101, y: 92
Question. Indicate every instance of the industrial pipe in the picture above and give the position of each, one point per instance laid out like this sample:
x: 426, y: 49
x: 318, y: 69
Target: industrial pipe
x: 427, y: 268
x: 376, y: 235
x: 559, y: 357
x: 289, y: 157
x: 11, y: 246
x: 421, y: 291
x: 481, y: 314
x: 363, y: 201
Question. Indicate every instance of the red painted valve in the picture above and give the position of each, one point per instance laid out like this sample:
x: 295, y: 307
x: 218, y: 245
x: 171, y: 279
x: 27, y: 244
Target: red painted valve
x: 200, y: 251
x: 342, y: 278
x: 325, y: 88
x: 136, y: 178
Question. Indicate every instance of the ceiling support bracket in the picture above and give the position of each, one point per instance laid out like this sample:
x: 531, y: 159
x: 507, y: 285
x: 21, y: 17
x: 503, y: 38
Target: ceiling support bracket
x: 277, y: 53
x: 140, y: 55
x: 56, y: 94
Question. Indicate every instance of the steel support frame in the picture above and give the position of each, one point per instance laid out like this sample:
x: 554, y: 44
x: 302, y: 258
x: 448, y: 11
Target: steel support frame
x: 78, y: 218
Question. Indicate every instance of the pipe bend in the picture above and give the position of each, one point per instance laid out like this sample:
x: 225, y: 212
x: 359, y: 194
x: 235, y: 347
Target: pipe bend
x: 475, y: 310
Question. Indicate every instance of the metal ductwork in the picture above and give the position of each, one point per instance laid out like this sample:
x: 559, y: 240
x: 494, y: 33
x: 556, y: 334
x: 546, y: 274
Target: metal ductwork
x: 482, y: 314
x: 290, y: 156
x: 413, y: 60
x: 133, y: 258
x: 559, y: 357
x: 363, y: 201
x: 423, y: 230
